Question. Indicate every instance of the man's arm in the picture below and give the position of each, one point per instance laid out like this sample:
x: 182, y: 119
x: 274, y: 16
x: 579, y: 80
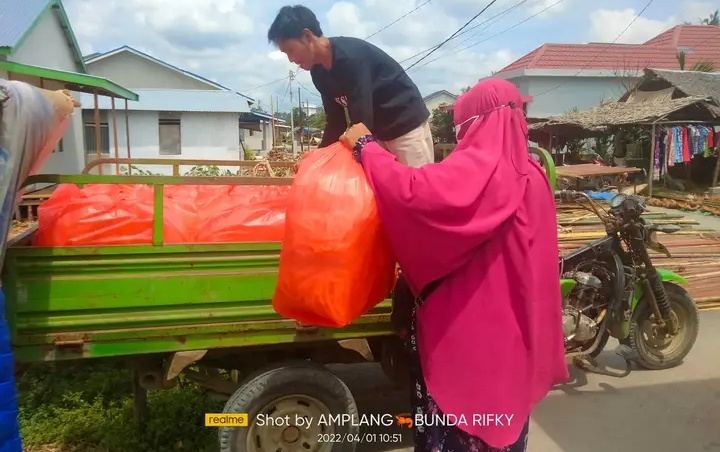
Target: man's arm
x: 335, y: 121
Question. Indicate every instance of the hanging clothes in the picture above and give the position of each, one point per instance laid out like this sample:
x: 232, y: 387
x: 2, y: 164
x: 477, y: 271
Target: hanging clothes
x: 666, y: 151
x: 702, y: 134
x: 685, y: 145
x: 657, y: 164
x: 692, y: 132
x: 709, y: 146
x: 678, y: 144
x: 669, y: 155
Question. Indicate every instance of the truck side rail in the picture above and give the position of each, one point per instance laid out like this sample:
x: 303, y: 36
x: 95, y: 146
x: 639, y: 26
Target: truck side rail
x: 177, y: 163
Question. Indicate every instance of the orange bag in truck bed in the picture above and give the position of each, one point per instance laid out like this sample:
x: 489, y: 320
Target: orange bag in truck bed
x: 116, y: 214
x: 335, y: 263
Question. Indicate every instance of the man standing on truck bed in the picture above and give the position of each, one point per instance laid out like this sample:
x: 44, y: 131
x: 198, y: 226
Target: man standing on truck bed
x: 359, y: 83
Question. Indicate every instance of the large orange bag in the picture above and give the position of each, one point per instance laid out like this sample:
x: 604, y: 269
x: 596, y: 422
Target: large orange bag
x: 110, y: 214
x: 96, y: 215
x: 335, y: 263
x: 246, y: 214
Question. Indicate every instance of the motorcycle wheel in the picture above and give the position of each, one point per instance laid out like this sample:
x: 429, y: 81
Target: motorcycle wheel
x: 655, y: 352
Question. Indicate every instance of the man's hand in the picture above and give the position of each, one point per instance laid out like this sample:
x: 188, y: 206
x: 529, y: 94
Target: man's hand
x: 352, y: 134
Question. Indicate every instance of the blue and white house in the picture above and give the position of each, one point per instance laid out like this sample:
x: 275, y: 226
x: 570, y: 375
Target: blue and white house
x: 179, y: 115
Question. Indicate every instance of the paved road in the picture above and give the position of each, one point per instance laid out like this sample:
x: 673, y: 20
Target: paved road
x: 674, y: 410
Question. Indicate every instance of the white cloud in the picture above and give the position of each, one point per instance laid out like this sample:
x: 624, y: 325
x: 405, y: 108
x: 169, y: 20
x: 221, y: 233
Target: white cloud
x: 194, y: 25
x: 694, y: 12
x: 606, y: 25
x: 225, y: 40
x: 345, y: 16
x: 547, y: 8
x: 468, y: 8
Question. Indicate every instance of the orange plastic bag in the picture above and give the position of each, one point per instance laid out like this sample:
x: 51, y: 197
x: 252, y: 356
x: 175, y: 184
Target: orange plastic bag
x: 335, y: 263
x: 96, y: 215
x: 109, y: 214
x: 246, y: 214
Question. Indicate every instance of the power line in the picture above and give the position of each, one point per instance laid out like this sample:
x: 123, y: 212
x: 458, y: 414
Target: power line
x: 601, y: 52
x: 285, y: 95
x: 502, y: 13
x: 263, y: 86
x: 453, y: 35
x: 493, y: 36
x: 303, y: 87
x: 466, y: 31
x: 507, y: 10
x: 398, y: 19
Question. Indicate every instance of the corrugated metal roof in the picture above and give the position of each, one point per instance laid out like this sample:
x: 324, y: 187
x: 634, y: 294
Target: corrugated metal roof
x: 267, y: 116
x: 16, y: 18
x: 176, y: 100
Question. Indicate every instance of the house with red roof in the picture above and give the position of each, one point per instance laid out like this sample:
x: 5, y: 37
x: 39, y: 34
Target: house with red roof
x: 560, y: 77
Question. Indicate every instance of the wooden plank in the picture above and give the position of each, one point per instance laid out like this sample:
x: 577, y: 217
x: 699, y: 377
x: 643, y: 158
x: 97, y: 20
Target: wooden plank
x: 592, y: 169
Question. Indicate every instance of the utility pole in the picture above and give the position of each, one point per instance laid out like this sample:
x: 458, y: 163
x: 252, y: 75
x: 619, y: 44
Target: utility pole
x: 302, y: 123
x: 292, y: 121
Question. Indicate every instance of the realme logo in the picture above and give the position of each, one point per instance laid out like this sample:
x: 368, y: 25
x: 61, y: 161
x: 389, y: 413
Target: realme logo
x: 226, y: 420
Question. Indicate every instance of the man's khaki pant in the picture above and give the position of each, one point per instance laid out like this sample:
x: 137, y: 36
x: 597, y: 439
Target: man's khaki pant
x: 415, y: 148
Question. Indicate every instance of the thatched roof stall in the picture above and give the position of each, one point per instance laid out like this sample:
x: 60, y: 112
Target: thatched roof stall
x: 606, y: 118
x: 660, y: 97
x: 675, y: 83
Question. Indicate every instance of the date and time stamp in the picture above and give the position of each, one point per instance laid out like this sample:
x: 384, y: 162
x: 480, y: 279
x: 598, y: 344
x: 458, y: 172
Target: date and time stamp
x: 360, y: 438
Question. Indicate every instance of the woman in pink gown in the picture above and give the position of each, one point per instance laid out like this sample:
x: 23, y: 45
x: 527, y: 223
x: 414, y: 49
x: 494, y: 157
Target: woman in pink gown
x: 476, y: 238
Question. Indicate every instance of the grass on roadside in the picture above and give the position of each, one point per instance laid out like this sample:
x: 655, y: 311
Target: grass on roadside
x: 88, y: 407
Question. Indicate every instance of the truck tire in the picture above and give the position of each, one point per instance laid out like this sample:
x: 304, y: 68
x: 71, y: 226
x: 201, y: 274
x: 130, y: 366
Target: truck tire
x: 291, y: 389
x: 655, y: 353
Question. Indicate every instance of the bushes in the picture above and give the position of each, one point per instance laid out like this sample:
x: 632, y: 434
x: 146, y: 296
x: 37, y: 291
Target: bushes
x: 89, y: 407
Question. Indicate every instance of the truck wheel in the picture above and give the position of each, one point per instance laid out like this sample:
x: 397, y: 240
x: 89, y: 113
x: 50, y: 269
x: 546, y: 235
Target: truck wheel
x: 274, y: 398
x: 653, y: 350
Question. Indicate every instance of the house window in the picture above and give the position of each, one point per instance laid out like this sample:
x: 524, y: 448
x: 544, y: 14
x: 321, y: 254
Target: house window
x: 91, y: 141
x: 169, y: 132
x: 252, y: 132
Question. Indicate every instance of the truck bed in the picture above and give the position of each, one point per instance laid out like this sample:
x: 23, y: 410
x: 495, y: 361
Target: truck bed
x: 109, y: 301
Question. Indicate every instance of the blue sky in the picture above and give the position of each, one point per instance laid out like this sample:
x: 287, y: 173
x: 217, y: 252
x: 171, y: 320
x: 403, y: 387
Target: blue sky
x: 225, y: 40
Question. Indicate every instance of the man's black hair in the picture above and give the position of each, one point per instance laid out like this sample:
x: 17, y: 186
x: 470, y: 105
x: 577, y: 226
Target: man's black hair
x: 290, y: 23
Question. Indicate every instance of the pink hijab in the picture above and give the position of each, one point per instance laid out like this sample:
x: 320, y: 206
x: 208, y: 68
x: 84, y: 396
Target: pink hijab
x: 490, y: 336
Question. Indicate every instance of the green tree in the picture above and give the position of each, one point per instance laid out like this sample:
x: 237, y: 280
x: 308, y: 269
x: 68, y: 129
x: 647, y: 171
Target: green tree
x: 317, y: 121
x: 299, y: 117
x: 699, y: 66
x: 258, y: 108
x: 714, y: 19
x: 441, y: 125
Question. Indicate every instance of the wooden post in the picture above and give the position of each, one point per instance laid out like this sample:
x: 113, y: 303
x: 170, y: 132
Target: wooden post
x: 272, y: 123
x: 302, y: 123
x: 115, y: 138
x: 127, y: 134
x: 717, y: 163
x: 651, y: 172
x: 98, y: 140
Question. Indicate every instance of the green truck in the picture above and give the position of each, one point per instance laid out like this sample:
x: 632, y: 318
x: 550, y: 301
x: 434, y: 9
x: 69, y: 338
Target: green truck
x: 172, y: 309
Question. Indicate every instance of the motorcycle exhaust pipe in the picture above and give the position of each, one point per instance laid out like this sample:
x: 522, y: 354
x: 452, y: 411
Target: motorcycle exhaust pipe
x: 596, y: 344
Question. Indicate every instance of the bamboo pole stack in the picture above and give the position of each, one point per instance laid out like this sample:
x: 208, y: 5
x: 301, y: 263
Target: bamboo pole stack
x: 695, y: 253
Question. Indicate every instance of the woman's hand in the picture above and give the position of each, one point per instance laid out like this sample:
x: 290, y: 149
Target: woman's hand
x: 352, y: 134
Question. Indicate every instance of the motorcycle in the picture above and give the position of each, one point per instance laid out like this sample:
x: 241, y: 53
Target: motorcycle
x: 610, y: 288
